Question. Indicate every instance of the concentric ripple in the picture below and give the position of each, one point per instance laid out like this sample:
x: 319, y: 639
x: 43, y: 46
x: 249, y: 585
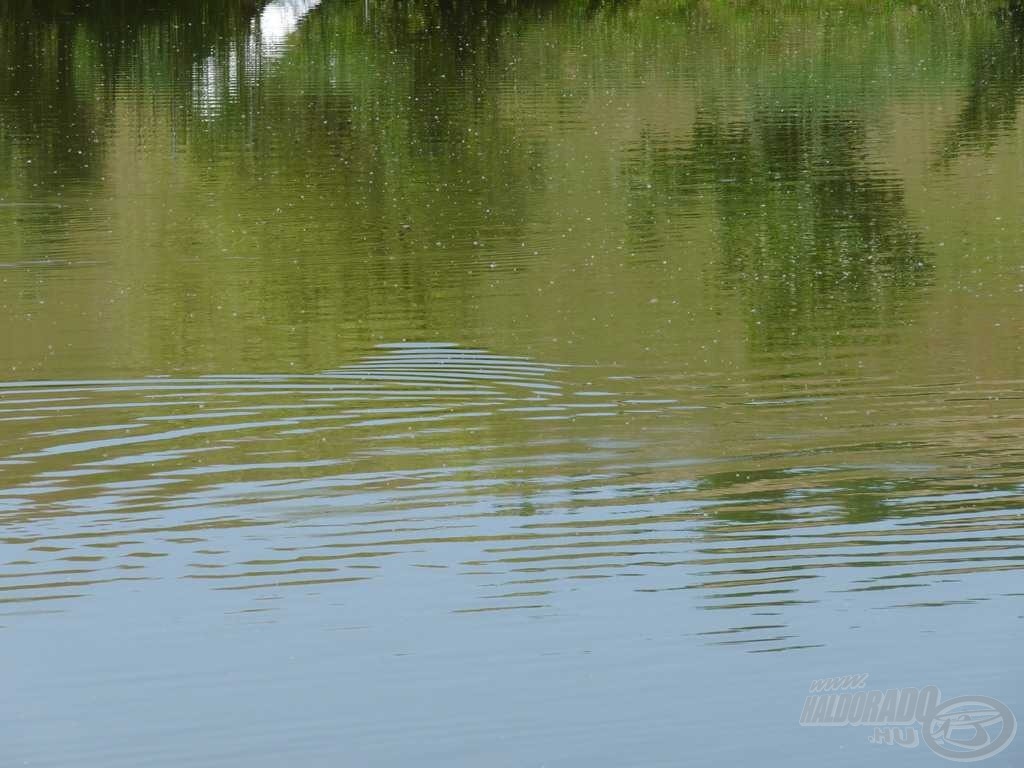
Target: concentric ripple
x: 530, y: 480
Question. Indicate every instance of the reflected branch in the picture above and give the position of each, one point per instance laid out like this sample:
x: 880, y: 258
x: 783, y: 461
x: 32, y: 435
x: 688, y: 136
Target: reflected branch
x: 995, y: 90
x: 816, y: 239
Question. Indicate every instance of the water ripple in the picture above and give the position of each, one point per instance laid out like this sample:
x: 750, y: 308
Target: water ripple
x: 761, y: 497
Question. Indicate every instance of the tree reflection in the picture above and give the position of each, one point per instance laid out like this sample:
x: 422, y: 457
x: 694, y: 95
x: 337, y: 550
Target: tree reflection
x: 815, y: 238
x: 61, y: 62
x: 995, y: 88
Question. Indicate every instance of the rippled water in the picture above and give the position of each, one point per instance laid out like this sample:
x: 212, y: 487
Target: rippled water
x: 550, y: 385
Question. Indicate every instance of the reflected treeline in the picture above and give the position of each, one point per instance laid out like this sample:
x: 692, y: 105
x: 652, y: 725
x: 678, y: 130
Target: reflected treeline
x: 359, y: 164
x: 365, y: 141
x: 815, y: 238
x: 432, y: 66
x: 380, y: 85
x: 61, y: 62
x: 403, y: 154
x: 995, y: 89
x: 63, y: 59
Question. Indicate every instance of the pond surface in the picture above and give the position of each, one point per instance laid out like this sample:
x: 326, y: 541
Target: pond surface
x: 558, y: 384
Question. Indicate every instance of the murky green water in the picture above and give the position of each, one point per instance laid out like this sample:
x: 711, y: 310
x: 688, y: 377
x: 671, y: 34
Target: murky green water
x: 555, y: 385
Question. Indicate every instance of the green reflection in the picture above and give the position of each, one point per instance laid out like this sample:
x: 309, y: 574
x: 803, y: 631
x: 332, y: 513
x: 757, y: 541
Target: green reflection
x: 816, y: 242
x: 995, y: 88
x: 243, y: 188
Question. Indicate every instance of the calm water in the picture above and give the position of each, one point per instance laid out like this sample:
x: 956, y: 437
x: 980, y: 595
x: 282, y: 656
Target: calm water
x: 562, y: 384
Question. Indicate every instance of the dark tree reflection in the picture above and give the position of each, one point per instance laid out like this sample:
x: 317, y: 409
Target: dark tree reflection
x: 60, y: 62
x: 815, y: 237
x: 995, y: 90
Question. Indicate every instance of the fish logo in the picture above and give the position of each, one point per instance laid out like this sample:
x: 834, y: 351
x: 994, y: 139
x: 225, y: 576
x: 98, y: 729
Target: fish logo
x: 969, y: 728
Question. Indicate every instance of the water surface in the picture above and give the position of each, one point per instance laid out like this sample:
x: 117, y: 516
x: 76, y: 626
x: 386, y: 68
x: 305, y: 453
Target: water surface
x: 553, y: 384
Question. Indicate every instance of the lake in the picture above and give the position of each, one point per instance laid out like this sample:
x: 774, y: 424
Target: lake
x: 549, y: 383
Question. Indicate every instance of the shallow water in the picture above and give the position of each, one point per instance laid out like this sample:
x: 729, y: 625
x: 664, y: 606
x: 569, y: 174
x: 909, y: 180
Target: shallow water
x: 560, y: 385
